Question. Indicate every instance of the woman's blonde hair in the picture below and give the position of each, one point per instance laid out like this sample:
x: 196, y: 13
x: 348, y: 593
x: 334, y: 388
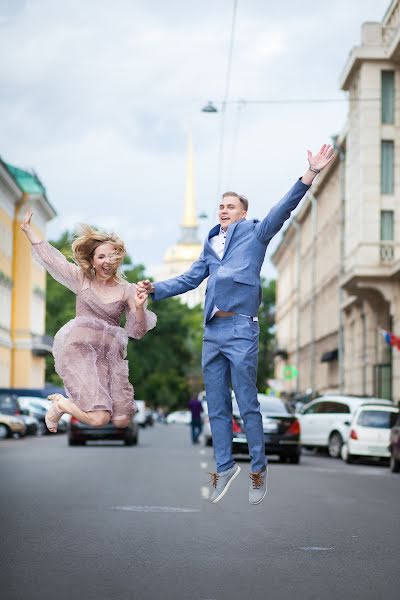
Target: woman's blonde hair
x: 87, y: 239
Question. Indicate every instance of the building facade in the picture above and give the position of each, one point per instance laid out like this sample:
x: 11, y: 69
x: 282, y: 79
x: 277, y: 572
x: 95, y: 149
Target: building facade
x: 339, y: 259
x: 23, y: 344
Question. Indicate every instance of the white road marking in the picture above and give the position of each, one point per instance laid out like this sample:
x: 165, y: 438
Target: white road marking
x: 202, y: 451
x: 203, y: 465
x: 156, y: 509
x: 315, y: 549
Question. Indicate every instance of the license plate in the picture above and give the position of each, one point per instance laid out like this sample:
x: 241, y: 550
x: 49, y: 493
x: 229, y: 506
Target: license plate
x: 271, y: 427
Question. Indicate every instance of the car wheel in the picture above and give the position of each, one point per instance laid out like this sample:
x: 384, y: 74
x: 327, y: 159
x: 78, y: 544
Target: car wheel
x: 76, y: 442
x: 394, y: 465
x: 283, y: 459
x: 209, y: 441
x: 42, y: 429
x: 335, y: 445
x: 295, y: 459
x: 131, y: 440
x: 4, y: 431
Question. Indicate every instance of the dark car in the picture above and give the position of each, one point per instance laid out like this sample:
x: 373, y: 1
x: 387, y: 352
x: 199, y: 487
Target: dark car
x: 395, y: 447
x: 9, y: 405
x: 80, y: 433
x: 33, y: 392
x: 281, y: 430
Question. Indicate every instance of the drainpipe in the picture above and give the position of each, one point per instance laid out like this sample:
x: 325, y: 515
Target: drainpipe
x: 313, y: 365
x: 342, y: 217
x: 364, y: 350
x: 296, y: 225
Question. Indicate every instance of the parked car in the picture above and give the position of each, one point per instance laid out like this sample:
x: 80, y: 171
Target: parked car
x: 182, y: 417
x: 10, y: 425
x: 35, y: 392
x: 37, y: 407
x: 395, y: 447
x: 370, y: 432
x: 281, y: 430
x: 80, y: 433
x: 9, y: 405
x: 325, y: 422
x: 140, y: 416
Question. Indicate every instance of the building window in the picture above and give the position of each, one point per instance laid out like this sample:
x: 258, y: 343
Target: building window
x: 387, y: 225
x: 387, y: 96
x: 387, y: 236
x: 387, y: 167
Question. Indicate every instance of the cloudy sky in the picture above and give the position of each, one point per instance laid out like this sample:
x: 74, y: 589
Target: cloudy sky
x: 99, y: 98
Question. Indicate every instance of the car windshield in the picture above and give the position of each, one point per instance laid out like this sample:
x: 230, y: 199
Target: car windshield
x: 7, y: 405
x: 379, y: 419
x: 270, y: 405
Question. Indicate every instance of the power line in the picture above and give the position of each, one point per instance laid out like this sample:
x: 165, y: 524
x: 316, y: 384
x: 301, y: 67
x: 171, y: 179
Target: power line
x: 225, y: 100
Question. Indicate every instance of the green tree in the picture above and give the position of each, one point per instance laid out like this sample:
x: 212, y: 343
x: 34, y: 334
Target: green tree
x: 266, y: 318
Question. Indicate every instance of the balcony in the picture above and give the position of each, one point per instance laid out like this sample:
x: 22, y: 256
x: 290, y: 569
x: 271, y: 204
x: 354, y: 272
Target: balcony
x: 42, y: 345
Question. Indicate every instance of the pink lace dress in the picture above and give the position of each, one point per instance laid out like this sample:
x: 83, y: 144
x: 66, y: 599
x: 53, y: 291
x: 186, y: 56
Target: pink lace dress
x: 90, y: 350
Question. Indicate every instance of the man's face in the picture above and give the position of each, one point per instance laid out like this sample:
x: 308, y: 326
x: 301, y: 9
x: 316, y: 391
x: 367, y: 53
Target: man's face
x: 230, y: 211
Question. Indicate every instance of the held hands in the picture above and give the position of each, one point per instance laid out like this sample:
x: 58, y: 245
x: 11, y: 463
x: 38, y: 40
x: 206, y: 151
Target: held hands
x: 145, y: 286
x: 139, y: 298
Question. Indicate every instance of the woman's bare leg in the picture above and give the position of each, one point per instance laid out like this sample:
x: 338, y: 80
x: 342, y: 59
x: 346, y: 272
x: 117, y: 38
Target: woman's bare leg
x: 96, y: 418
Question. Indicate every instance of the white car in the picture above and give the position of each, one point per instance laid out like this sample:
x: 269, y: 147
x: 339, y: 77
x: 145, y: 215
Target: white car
x: 140, y: 416
x: 325, y: 422
x: 370, y: 432
x: 181, y: 417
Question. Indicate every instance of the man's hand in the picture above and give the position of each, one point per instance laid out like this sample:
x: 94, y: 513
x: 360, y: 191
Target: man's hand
x: 145, y: 286
x: 322, y: 158
x: 317, y: 163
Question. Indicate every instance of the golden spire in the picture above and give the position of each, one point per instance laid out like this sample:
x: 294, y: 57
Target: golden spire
x: 189, y: 215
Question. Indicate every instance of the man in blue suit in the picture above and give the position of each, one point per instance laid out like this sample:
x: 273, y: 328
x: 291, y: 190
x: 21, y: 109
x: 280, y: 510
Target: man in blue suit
x: 232, y: 258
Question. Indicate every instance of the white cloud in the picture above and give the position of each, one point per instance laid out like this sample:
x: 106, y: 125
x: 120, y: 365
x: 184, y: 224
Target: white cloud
x: 99, y: 98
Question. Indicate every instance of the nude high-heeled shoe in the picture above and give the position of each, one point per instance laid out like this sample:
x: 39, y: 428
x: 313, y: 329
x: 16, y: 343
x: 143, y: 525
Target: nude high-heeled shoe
x: 53, y: 415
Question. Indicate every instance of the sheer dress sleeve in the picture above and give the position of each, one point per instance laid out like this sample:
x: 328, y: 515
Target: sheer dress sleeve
x: 55, y: 263
x: 137, y: 329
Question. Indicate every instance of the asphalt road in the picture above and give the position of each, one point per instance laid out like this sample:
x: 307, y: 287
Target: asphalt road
x: 109, y: 522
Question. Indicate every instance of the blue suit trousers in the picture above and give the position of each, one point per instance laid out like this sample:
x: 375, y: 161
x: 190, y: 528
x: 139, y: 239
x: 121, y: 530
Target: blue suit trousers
x: 230, y: 358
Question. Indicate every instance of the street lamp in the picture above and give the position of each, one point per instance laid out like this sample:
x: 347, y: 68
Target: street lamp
x: 209, y: 108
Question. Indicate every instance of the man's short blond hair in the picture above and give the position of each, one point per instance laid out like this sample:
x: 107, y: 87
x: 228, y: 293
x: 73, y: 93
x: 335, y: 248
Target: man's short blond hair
x: 242, y: 199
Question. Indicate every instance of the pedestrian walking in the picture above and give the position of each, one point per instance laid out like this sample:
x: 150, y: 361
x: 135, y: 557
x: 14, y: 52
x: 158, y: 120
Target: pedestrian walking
x: 196, y: 409
x: 90, y: 350
x: 232, y: 258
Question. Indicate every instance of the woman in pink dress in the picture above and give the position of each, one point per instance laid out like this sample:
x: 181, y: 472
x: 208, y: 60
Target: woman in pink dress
x: 90, y: 351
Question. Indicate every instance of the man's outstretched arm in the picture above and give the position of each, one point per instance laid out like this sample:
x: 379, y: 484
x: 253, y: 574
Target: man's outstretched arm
x: 279, y: 213
x: 189, y: 280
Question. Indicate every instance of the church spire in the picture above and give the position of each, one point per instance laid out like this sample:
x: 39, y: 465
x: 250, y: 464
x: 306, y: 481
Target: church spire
x: 190, y: 224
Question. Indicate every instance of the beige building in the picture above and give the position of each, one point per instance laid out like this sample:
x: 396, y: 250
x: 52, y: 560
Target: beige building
x: 23, y: 343
x: 179, y: 257
x: 339, y: 259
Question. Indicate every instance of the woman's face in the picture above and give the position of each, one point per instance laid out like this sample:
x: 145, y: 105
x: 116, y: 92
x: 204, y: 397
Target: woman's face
x: 104, y: 261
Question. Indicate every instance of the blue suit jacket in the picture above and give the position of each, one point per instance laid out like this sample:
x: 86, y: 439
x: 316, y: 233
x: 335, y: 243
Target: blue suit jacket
x: 234, y: 281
